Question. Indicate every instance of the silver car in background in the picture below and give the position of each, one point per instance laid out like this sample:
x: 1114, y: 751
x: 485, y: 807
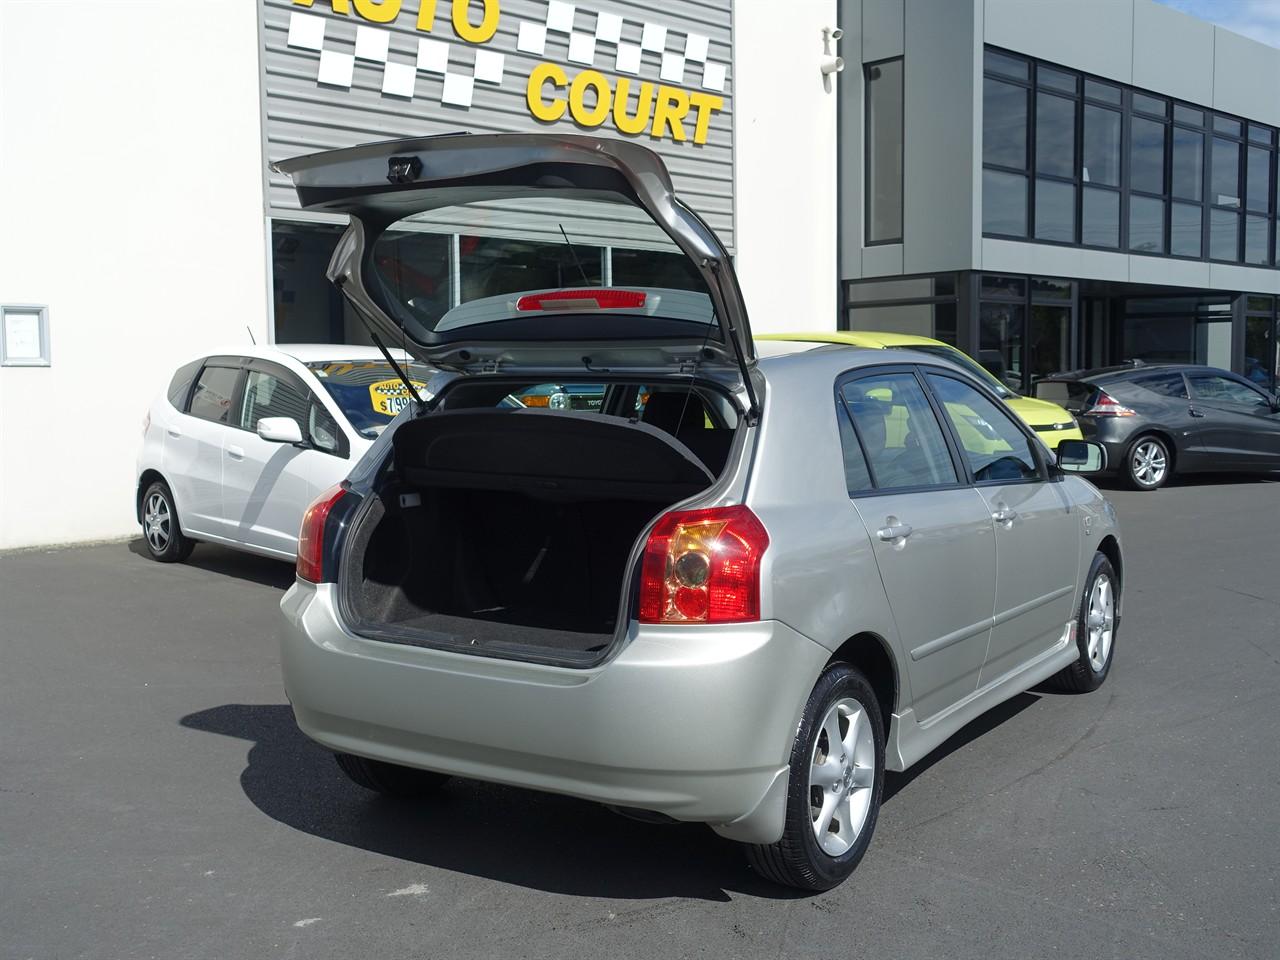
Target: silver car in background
x: 735, y: 590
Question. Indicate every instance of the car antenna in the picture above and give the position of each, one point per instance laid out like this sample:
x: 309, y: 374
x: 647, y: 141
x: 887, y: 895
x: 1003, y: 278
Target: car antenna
x: 252, y: 338
x: 585, y: 281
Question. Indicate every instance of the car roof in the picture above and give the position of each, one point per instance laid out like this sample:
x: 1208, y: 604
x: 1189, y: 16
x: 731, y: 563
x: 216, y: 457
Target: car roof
x: 1129, y: 371
x: 304, y: 352
x: 833, y: 359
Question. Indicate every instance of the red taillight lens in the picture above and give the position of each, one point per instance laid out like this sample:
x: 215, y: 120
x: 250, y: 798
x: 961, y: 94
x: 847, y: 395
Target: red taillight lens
x: 606, y: 298
x: 1106, y: 405
x: 703, y: 566
x: 311, y: 537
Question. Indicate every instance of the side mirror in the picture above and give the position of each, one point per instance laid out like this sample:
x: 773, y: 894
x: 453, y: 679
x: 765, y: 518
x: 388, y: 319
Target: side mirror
x: 1081, y: 456
x: 280, y: 430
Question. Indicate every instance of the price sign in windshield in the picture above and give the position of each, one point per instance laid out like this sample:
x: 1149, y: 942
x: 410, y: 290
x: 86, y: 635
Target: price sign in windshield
x: 389, y: 397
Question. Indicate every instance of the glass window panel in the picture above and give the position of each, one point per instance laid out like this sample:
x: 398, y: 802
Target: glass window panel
x: 1000, y: 346
x: 214, y: 394
x: 884, y: 151
x: 944, y: 322
x: 1004, y: 203
x: 856, y: 476
x: 995, y: 448
x: 1276, y: 244
x: 1226, y: 125
x: 1164, y: 384
x: 1146, y: 156
x: 913, y: 288
x: 1188, y: 164
x: 1224, y: 239
x: 1056, y: 79
x: 1259, y: 304
x: 652, y: 268
x: 1214, y: 386
x: 1055, y: 135
x: 269, y: 396
x: 1055, y: 211
x: 1004, y: 124
x: 1101, y: 91
x: 1101, y: 216
x: 308, y: 308
x: 1043, y: 288
x: 1258, y: 180
x: 1153, y: 105
x: 900, y: 435
x: 1184, y: 230
x: 1146, y: 225
x: 1255, y: 239
x: 996, y: 62
x: 1224, y: 188
x: 1188, y: 115
x: 997, y: 285
x: 1049, y: 336
x: 1101, y: 146
x: 944, y: 285
x: 915, y: 319
x: 1259, y: 365
x: 490, y: 266
x: 1260, y: 134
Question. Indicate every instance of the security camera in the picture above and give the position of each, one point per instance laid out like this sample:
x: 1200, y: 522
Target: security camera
x: 836, y: 33
x: 832, y: 65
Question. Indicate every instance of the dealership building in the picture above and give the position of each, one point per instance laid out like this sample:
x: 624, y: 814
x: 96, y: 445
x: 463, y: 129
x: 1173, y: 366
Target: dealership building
x: 1047, y: 184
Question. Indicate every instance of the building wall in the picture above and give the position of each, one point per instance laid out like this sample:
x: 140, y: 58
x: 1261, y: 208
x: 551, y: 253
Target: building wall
x: 132, y: 199
x: 785, y: 165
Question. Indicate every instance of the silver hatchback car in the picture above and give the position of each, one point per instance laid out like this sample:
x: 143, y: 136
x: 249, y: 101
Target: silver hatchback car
x: 615, y: 553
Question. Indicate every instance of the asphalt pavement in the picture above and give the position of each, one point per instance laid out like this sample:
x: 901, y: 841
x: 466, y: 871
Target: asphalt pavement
x: 156, y: 799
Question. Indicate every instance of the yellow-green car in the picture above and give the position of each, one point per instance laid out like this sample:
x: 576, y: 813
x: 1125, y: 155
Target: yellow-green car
x: 1051, y: 422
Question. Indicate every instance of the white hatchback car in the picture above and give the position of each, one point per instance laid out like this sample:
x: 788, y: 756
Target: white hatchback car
x: 244, y: 439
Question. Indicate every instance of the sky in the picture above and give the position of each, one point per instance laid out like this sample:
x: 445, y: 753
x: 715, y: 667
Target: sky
x: 1259, y: 19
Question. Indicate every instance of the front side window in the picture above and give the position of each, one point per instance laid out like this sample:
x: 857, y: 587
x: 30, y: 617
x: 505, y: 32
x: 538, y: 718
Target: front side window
x: 214, y: 394
x: 266, y: 395
x: 996, y: 450
x: 1212, y: 386
x: 884, y: 139
x: 900, y: 435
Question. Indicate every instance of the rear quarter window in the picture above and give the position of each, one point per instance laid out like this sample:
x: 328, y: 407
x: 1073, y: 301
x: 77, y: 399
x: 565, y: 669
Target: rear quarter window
x: 1164, y: 384
x: 180, y: 385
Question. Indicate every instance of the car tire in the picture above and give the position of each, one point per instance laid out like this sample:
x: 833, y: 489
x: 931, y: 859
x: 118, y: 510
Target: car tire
x: 161, y: 530
x: 1096, y: 626
x: 1148, y: 464
x: 390, y: 779
x: 808, y: 856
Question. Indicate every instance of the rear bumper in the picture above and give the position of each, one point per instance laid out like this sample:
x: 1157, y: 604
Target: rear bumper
x: 696, y: 723
x: 1114, y: 433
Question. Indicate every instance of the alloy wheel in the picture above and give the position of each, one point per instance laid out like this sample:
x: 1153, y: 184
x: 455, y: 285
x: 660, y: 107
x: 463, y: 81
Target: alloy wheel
x: 156, y: 521
x: 1101, y: 622
x: 1150, y: 462
x: 841, y: 776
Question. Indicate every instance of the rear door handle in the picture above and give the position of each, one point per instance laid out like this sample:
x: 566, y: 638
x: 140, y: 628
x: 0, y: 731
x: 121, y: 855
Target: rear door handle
x: 235, y: 453
x: 894, y: 530
x: 176, y: 434
x: 1194, y: 412
x: 1005, y: 515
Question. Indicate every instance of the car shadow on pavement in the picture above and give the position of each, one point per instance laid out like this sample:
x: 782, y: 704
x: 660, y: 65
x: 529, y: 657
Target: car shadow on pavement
x: 231, y: 563
x: 542, y: 841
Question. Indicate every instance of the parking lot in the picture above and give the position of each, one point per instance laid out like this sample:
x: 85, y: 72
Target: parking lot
x: 156, y: 799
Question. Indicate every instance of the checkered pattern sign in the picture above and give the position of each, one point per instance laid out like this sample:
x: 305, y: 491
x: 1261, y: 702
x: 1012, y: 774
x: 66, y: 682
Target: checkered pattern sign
x: 682, y: 59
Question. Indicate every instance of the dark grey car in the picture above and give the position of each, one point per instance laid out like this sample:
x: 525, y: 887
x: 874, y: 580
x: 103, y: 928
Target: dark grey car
x: 1160, y: 418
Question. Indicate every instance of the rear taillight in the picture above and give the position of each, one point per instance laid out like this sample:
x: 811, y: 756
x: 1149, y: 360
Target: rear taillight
x: 1105, y: 405
x: 606, y: 298
x: 311, y: 539
x: 703, y: 566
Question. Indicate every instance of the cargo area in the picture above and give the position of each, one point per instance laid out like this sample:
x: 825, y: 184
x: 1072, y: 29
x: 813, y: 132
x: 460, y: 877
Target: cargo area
x: 508, y: 531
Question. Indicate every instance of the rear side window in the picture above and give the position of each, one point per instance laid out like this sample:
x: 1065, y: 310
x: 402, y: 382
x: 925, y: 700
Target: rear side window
x: 180, y: 385
x: 1165, y: 384
x: 857, y: 477
x: 997, y: 451
x: 215, y: 394
x: 900, y: 435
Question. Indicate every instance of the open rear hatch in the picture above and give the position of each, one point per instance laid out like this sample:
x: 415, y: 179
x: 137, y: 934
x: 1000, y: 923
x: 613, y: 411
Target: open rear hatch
x: 507, y: 519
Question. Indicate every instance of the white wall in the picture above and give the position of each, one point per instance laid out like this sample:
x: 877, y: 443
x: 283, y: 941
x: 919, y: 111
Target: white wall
x: 785, y: 165
x: 131, y: 191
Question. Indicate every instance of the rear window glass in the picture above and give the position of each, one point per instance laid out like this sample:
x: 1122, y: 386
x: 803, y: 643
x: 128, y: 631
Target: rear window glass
x: 1165, y: 384
x: 1073, y: 395
x: 557, y: 240
x: 369, y: 392
x: 674, y: 408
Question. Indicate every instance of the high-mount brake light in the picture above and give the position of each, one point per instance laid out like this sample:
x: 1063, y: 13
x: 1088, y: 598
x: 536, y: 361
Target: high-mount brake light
x: 605, y: 298
x: 703, y: 566
x: 1106, y: 405
x: 311, y: 537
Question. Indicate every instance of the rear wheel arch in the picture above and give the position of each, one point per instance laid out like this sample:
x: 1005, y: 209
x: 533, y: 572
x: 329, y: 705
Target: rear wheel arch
x: 1165, y: 437
x: 146, y: 479
x: 870, y: 655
